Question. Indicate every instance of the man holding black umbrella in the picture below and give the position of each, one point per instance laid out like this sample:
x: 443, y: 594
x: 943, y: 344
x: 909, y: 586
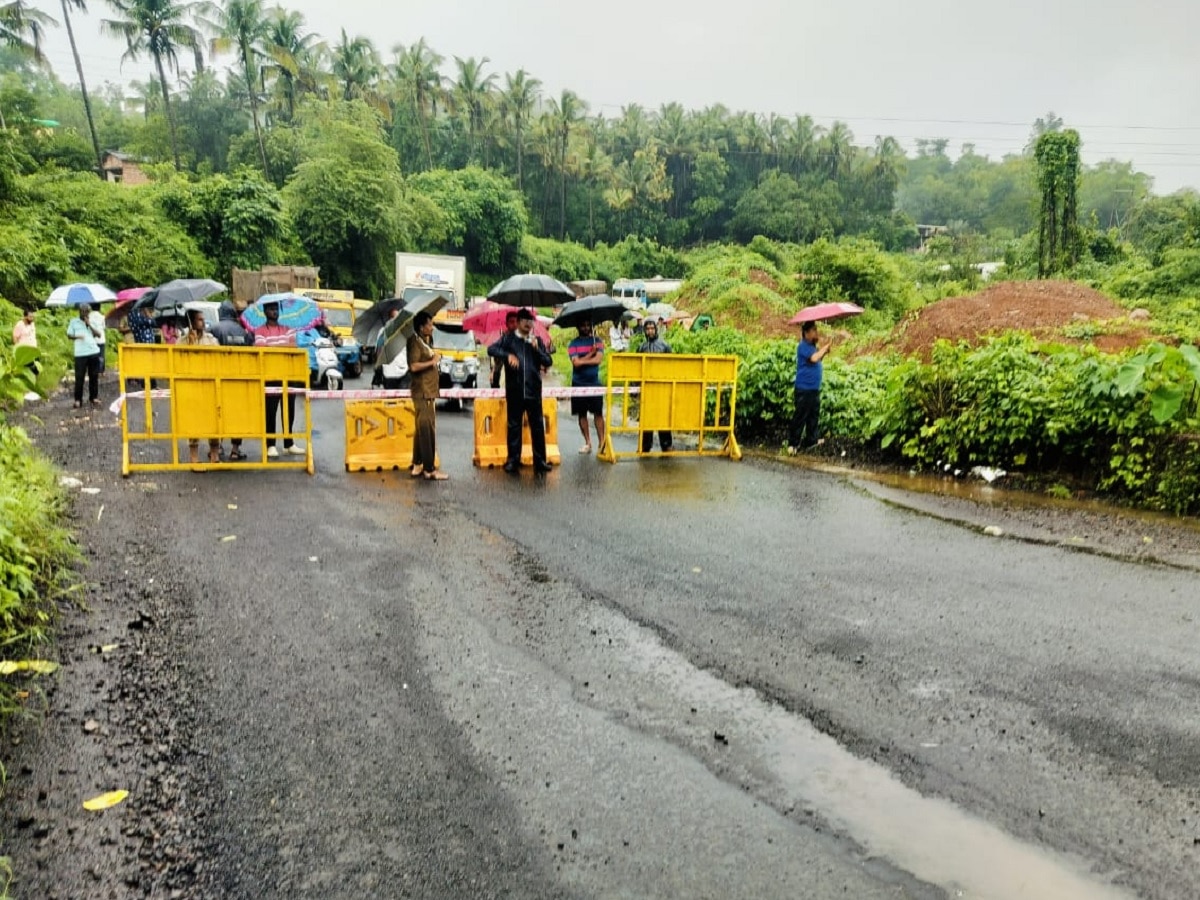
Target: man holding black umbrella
x: 525, y: 358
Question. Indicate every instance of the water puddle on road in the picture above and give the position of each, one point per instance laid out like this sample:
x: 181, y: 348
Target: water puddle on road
x: 931, y: 839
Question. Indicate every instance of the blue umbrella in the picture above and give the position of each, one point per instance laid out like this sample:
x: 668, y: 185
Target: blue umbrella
x: 296, y: 313
x: 80, y: 293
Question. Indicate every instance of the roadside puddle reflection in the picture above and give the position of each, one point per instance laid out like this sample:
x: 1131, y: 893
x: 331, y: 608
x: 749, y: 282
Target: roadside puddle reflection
x: 931, y: 839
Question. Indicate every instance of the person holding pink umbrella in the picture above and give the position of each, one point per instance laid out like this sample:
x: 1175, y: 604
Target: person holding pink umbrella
x: 805, y: 430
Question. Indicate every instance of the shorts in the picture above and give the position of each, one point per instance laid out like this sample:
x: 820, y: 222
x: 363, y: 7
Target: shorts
x: 581, y: 406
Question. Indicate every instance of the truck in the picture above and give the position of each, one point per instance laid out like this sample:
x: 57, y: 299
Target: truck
x: 417, y: 272
x: 250, y: 284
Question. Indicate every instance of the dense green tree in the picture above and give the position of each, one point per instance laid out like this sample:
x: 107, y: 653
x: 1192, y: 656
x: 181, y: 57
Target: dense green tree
x: 348, y: 200
x: 484, y: 216
x: 237, y: 220
x: 785, y: 209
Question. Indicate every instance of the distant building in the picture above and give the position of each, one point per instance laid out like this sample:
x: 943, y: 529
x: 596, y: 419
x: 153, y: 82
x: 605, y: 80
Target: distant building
x: 121, y: 167
x: 925, y: 232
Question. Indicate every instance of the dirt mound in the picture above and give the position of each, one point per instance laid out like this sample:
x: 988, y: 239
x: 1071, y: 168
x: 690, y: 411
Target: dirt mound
x: 1043, y: 308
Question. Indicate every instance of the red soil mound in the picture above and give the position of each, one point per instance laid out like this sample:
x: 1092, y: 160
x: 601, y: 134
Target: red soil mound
x: 1040, y: 307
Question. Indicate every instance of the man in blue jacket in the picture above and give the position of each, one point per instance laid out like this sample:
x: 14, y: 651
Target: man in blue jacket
x: 524, y: 358
x: 805, y: 420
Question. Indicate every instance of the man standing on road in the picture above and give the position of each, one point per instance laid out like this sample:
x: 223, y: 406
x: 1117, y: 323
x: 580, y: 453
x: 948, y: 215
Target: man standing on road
x: 525, y: 358
x: 586, y: 353
x: 510, y: 325
x: 805, y: 420
x: 87, y: 355
x: 229, y: 333
x: 272, y: 334
x: 654, y: 344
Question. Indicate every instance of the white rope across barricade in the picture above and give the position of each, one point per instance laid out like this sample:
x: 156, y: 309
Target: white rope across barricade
x: 552, y: 393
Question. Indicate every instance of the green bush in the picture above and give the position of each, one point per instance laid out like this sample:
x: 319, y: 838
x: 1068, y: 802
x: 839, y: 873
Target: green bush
x: 36, y: 551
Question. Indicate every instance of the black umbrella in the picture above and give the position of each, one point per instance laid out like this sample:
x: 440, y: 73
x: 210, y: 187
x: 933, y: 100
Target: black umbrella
x: 531, y: 290
x: 184, y: 290
x: 393, y: 338
x: 597, y: 308
x: 368, y: 323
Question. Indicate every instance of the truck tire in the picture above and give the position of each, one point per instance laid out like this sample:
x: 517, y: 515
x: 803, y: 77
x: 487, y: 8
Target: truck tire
x: 355, y: 370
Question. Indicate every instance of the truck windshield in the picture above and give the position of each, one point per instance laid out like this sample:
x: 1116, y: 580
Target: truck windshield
x: 453, y: 340
x: 338, y: 318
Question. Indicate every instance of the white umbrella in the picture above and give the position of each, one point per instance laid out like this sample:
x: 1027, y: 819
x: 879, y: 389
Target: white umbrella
x: 79, y: 293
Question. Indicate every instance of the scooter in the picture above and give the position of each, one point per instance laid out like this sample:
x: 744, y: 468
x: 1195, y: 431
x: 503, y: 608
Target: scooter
x: 324, y: 369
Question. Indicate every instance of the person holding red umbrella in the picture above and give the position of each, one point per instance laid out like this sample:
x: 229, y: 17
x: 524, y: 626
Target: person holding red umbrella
x: 805, y: 431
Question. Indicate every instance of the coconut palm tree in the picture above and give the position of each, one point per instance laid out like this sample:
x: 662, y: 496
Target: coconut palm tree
x: 520, y: 96
x: 355, y: 66
x: 837, y: 150
x: 564, y: 114
x: 420, y: 85
x: 160, y: 28
x: 471, y: 92
x: 81, y: 5
x: 22, y: 27
x: 241, y: 26
x: 294, y: 55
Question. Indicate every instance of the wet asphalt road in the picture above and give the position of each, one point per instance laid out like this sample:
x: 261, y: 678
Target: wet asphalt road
x: 603, y: 682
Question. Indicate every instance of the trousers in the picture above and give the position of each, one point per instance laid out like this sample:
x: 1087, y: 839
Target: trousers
x: 518, y: 408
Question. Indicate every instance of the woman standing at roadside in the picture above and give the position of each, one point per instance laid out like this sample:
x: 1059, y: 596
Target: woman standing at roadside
x: 87, y: 356
x: 423, y: 362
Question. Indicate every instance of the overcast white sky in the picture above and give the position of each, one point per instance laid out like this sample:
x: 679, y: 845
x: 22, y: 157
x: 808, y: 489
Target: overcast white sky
x: 1127, y: 76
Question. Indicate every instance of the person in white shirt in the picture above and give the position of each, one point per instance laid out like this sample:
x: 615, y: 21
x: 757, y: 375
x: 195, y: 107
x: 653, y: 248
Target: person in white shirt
x: 96, y: 321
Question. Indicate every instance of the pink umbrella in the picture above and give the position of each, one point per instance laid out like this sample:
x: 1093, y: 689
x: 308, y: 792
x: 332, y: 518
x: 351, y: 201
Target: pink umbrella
x: 132, y: 293
x: 486, y: 321
x: 824, y: 312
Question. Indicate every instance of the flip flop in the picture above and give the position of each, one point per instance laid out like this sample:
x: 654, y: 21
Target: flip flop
x: 436, y: 476
x: 416, y: 471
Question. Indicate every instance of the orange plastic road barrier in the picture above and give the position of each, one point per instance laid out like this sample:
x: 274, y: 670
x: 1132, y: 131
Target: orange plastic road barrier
x: 491, y: 434
x: 380, y: 434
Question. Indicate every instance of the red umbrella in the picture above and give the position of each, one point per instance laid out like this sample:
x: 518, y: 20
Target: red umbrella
x: 486, y: 321
x: 824, y: 312
x: 132, y: 293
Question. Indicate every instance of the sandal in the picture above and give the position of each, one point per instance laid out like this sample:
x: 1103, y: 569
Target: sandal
x: 236, y: 455
x: 436, y: 476
x: 214, y: 456
x: 416, y: 471
x: 585, y: 449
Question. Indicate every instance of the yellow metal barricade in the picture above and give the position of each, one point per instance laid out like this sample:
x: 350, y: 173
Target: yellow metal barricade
x: 380, y: 435
x: 214, y: 393
x: 491, y: 434
x: 677, y: 393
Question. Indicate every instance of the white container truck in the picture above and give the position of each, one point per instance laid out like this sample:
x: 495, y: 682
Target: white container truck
x: 424, y: 272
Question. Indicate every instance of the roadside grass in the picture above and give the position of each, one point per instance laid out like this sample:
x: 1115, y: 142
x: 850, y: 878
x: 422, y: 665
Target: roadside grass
x: 38, y: 554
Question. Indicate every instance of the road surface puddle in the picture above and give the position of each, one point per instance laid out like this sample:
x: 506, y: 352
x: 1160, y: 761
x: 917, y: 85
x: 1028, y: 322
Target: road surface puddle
x: 931, y: 839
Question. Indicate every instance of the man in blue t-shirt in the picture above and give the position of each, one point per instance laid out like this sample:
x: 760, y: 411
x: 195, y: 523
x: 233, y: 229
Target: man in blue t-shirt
x: 804, y: 431
x: 586, y: 352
